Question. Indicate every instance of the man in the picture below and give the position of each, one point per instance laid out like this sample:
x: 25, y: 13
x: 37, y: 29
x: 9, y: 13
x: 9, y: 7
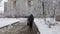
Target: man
x: 30, y: 21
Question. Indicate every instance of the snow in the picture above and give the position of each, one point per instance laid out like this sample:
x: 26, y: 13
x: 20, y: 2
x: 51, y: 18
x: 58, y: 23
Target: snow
x: 44, y: 28
x: 7, y: 21
x: 40, y: 23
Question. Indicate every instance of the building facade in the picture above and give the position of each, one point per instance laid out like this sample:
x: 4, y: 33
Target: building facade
x: 35, y: 7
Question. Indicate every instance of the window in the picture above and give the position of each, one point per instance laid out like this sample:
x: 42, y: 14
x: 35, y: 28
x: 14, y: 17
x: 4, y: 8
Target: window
x: 14, y: 4
x: 29, y: 3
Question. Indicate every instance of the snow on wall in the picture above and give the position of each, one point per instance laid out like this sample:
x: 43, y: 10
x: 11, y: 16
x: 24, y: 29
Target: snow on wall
x: 44, y: 28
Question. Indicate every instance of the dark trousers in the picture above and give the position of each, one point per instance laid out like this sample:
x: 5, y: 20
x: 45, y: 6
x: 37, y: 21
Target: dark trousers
x: 31, y: 24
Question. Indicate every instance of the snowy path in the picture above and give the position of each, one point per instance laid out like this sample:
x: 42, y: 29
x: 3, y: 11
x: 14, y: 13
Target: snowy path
x: 44, y: 29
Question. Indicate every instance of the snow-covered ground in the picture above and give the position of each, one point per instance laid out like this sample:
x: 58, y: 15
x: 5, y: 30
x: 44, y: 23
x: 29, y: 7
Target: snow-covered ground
x: 50, y: 27
x: 44, y: 27
x: 9, y: 21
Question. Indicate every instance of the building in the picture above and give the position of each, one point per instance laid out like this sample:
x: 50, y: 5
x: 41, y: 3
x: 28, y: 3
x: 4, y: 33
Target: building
x: 26, y: 7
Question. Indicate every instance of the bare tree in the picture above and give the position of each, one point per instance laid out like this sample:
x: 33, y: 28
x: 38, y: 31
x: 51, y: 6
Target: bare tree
x: 44, y: 11
x: 54, y: 8
x: 54, y: 12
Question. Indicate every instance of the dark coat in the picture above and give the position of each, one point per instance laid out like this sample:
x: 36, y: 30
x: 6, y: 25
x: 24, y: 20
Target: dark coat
x: 30, y: 20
